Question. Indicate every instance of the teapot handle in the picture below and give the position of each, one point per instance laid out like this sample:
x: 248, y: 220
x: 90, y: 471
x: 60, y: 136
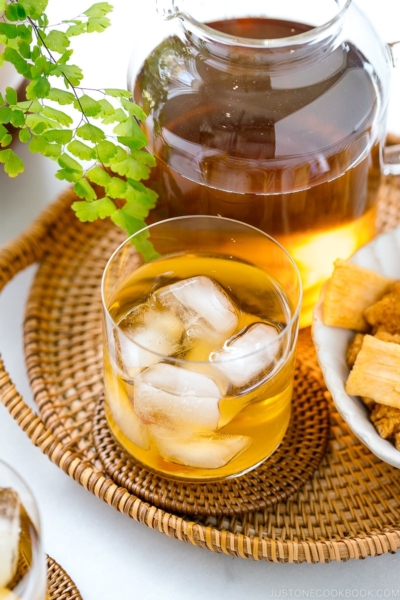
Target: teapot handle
x: 391, y: 154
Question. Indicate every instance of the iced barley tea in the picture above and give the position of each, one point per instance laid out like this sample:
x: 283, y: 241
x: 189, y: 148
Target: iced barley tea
x: 200, y: 383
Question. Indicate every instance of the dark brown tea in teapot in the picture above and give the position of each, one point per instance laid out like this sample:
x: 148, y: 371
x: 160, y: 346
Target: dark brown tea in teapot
x: 280, y: 139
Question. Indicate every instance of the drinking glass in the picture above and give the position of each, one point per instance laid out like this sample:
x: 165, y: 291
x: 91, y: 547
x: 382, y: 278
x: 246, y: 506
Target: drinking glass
x: 22, y: 560
x: 201, y: 317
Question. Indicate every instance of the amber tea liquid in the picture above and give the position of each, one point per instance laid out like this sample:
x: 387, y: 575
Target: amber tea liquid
x: 255, y: 144
x: 258, y: 412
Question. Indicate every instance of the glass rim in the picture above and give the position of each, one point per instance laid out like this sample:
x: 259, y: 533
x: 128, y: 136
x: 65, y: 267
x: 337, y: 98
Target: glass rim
x: 295, y: 40
x: 288, y: 325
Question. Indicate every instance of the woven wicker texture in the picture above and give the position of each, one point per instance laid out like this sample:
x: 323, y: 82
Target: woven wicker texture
x: 286, y: 471
x: 59, y: 585
x: 349, y: 509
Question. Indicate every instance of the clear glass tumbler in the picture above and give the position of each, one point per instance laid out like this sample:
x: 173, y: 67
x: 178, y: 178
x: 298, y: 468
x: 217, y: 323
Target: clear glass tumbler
x: 22, y: 560
x: 201, y: 317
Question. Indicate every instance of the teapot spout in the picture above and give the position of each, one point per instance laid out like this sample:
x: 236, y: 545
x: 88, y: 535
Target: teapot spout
x: 167, y: 9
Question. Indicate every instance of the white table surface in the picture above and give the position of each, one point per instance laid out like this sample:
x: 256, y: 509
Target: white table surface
x: 108, y: 555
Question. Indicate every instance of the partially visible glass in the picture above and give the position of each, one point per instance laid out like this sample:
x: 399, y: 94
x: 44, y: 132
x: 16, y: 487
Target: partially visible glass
x: 22, y: 560
x: 199, y: 346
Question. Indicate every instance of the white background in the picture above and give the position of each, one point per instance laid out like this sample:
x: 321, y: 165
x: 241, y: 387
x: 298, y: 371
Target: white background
x: 108, y: 555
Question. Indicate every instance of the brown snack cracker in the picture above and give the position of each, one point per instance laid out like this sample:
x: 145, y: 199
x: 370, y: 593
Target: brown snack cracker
x: 376, y: 372
x: 388, y: 337
x: 369, y: 403
x: 387, y: 421
x: 351, y: 290
x: 384, y: 315
x: 353, y: 349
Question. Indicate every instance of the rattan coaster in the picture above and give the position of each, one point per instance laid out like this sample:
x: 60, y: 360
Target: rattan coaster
x: 59, y: 584
x: 278, y: 478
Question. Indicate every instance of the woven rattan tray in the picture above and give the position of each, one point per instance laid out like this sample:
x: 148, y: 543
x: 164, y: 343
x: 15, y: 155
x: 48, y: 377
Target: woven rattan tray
x: 59, y: 584
x: 349, y: 509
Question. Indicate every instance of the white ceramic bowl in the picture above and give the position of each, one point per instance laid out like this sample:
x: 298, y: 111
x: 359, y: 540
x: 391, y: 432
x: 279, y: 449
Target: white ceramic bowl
x: 383, y: 256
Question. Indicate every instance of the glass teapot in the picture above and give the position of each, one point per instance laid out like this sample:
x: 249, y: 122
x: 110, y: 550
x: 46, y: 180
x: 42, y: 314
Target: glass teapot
x: 272, y: 113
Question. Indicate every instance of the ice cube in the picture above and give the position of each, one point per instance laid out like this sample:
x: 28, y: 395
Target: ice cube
x: 149, y: 335
x: 201, y: 299
x: 211, y: 451
x: 249, y: 354
x: 166, y: 322
x: 9, y: 534
x: 174, y: 397
x: 123, y: 415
